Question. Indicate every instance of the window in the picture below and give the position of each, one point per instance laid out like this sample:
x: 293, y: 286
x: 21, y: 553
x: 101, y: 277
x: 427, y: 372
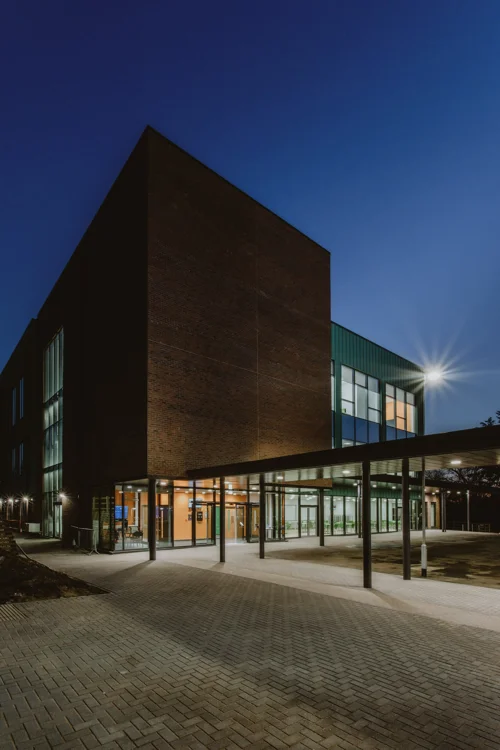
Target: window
x: 14, y: 462
x: 347, y: 390
x: 21, y: 458
x: 347, y: 427
x: 14, y: 404
x: 361, y: 407
x: 332, y: 382
x: 52, y: 454
x: 21, y: 398
x: 400, y: 413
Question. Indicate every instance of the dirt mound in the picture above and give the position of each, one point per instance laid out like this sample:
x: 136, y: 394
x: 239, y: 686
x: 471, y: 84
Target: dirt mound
x: 22, y: 579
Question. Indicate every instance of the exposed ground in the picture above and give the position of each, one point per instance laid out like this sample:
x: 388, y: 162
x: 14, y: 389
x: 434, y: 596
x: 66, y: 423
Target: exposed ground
x: 472, y: 559
x: 24, y: 580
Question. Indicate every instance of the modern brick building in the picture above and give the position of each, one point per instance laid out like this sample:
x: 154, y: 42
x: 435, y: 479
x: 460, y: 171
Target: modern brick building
x: 191, y: 327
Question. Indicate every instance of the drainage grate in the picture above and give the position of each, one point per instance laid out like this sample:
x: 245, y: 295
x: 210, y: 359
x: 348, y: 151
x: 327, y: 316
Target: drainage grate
x: 9, y: 613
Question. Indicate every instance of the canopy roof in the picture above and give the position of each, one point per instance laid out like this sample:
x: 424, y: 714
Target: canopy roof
x: 464, y: 448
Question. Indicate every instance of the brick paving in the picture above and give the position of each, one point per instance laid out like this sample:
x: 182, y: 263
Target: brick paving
x: 182, y: 657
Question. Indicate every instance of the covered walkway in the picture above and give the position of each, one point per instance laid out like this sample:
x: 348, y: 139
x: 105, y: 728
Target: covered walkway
x: 406, y: 459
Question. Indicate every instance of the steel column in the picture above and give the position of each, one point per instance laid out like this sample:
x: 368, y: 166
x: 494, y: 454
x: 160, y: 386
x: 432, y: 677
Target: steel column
x: 262, y: 516
x: 406, y: 519
x: 423, y: 548
x: 151, y: 518
x: 222, y: 521
x: 321, y: 516
x: 193, y: 517
x: 468, y: 510
x: 358, y: 509
x: 367, y: 526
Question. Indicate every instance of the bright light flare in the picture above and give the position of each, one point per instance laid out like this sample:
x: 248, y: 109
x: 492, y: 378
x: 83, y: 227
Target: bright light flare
x: 434, y: 376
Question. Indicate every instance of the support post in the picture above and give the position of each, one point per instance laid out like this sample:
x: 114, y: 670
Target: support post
x: 423, y: 548
x: 152, y: 518
x: 359, y: 510
x: 406, y: 519
x: 193, y: 517
x: 321, y: 516
x: 262, y: 516
x: 443, y: 510
x: 468, y: 510
x: 222, y: 521
x: 367, y: 526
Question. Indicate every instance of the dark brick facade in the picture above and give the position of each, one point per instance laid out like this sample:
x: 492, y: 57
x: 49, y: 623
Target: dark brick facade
x: 239, y: 324
x: 197, y: 331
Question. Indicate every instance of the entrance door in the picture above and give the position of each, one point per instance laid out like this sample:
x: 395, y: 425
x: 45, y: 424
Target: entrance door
x: 236, y: 523
x: 58, y: 520
x: 254, y: 522
x: 204, y: 523
x: 164, y: 525
x: 308, y: 520
x: 433, y: 515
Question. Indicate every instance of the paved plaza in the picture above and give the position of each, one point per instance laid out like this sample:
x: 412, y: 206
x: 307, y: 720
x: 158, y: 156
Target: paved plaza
x: 186, y: 653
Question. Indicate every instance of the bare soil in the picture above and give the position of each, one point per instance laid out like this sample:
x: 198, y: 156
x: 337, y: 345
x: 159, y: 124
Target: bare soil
x: 23, y: 580
x: 473, y: 559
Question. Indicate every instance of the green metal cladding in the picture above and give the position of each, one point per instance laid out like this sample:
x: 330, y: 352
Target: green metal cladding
x: 353, y: 350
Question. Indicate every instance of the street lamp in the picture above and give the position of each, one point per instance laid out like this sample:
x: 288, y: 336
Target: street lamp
x: 434, y: 376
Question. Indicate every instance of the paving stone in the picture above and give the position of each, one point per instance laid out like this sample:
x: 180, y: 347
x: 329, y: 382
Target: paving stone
x: 183, y: 658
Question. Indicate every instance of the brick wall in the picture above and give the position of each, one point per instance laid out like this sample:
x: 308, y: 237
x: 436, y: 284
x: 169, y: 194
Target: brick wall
x: 239, y: 324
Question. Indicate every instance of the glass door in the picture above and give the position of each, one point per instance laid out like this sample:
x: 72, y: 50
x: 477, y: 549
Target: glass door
x: 254, y: 523
x: 163, y: 526
x: 57, y: 520
x: 308, y: 520
x: 236, y: 523
x: 205, y: 523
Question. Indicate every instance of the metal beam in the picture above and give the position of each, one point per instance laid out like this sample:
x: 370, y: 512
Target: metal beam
x: 222, y: 521
x: 262, y: 516
x: 468, y: 510
x: 406, y: 520
x: 367, y: 526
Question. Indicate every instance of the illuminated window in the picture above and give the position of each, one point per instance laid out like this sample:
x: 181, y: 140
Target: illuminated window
x: 400, y: 413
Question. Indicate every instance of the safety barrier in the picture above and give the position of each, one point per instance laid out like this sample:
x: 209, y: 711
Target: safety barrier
x: 85, y: 539
x: 484, y: 527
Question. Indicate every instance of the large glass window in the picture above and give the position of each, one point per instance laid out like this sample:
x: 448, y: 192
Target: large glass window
x: 291, y: 514
x: 400, y: 413
x: 347, y: 390
x: 52, y: 453
x: 361, y: 408
x: 14, y: 405
x: 21, y: 458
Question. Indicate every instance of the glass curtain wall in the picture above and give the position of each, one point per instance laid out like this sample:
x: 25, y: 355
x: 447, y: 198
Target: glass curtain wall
x: 400, y: 413
x: 52, y: 453
x: 361, y: 408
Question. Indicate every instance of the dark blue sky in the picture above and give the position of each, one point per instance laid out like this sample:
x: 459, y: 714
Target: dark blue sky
x: 371, y: 126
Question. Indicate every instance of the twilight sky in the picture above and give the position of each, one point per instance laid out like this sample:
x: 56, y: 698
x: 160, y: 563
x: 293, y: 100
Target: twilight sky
x: 371, y: 126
